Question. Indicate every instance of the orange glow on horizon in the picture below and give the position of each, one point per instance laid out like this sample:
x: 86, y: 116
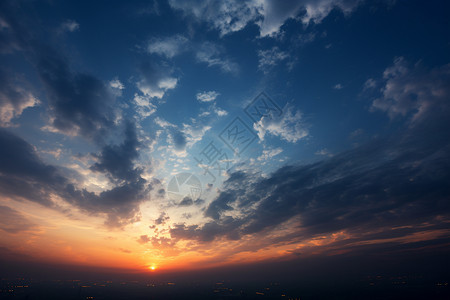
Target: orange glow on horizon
x: 85, y: 241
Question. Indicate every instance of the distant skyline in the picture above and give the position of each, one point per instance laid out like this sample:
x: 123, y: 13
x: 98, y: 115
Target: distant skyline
x: 174, y: 136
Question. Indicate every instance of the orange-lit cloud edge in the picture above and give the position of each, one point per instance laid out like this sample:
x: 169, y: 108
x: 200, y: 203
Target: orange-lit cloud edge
x: 54, y: 237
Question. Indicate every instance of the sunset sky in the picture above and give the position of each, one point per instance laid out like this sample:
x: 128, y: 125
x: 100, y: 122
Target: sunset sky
x: 170, y: 135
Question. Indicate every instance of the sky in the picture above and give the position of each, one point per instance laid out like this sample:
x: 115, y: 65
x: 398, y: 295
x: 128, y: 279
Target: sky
x: 161, y: 136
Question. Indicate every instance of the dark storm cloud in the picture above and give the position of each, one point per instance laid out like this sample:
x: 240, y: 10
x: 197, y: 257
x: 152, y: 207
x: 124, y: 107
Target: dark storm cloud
x: 24, y: 176
x: 226, y: 227
x: 401, y: 180
x: 79, y: 103
x: 398, y: 180
x: 14, y: 97
x: 117, y: 160
x: 121, y: 203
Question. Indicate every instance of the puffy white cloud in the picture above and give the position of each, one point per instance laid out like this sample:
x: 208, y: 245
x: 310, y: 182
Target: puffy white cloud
x: 225, y: 16
x: 269, y: 153
x: 338, y: 86
x: 116, y: 84
x: 269, y: 15
x: 316, y: 11
x: 156, y: 79
x: 220, y: 112
x: 157, y: 89
x: 169, y: 46
x: 288, y: 126
x: 207, y: 96
x: 144, y: 105
x: 194, y: 132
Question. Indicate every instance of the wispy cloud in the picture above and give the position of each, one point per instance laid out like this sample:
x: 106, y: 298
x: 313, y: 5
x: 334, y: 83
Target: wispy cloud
x: 169, y: 46
x: 69, y: 26
x: 270, y: 58
x: 207, y: 96
x: 212, y: 55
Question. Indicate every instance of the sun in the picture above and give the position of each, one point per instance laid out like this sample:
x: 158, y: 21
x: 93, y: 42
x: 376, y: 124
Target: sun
x: 153, y: 268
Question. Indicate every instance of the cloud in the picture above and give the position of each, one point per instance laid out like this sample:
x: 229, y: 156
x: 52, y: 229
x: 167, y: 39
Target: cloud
x: 207, y: 96
x: 211, y: 54
x: 207, y: 52
x: 210, y: 97
x: 316, y: 11
x: 143, y: 239
x: 356, y: 133
x: 9, y: 41
x: 225, y: 16
x: 145, y: 107
x: 12, y: 221
x: 413, y: 90
x: 78, y: 103
x: 23, y: 176
x: 219, y: 111
x: 268, y: 15
x: 117, y: 160
x: 69, y: 26
x: 370, y: 84
x: 288, y: 126
x: 187, y: 201
x: 162, y: 219
x: 182, y: 138
x: 270, y: 58
x: 194, y: 132
x: 338, y: 86
x: 178, y: 139
x: 323, y: 152
x: 269, y: 153
x: 397, y: 181
x: 168, y: 46
x: 155, y: 80
x: 116, y: 84
x: 15, y: 97
x: 392, y: 186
